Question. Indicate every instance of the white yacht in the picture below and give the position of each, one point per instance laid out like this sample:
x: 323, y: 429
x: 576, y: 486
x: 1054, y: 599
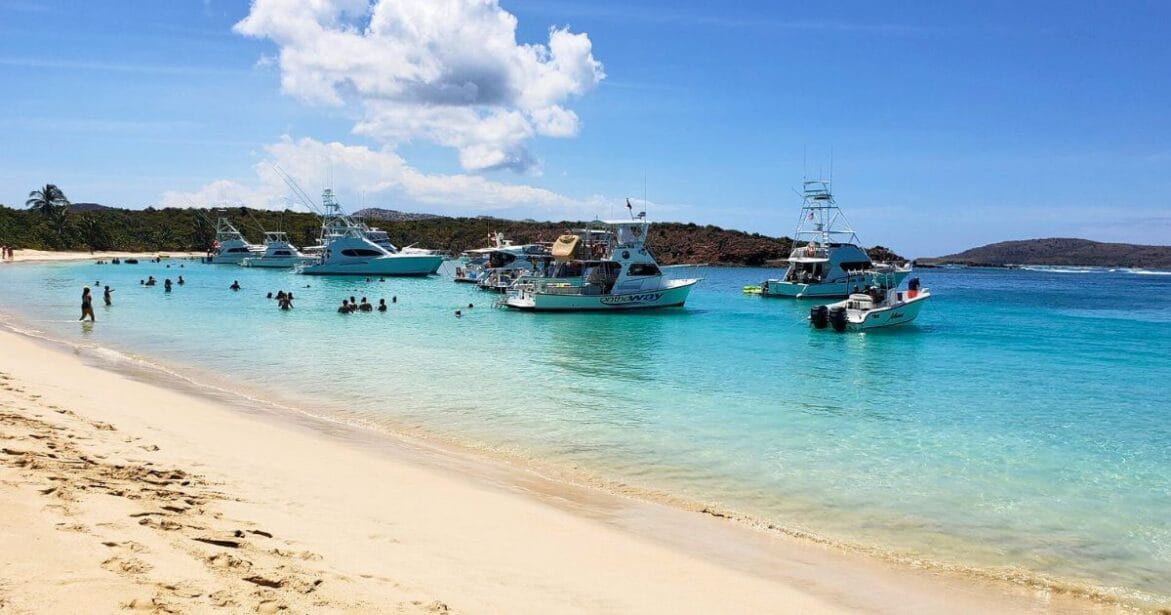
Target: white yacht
x: 230, y: 247
x: 348, y: 250
x: 498, y: 266
x: 880, y: 305
x: 278, y: 253
x: 601, y: 270
x: 830, y: 262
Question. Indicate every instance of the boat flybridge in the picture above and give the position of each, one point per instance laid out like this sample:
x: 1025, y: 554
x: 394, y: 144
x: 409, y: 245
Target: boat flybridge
x: 881, y: 304
x: 230, y: 247
x: 348, y: 250
x: 278, y: 253
x: 601, y: 270
x: 831, y: 262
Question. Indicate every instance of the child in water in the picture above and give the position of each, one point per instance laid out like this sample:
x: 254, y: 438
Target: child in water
x: 107, y: 297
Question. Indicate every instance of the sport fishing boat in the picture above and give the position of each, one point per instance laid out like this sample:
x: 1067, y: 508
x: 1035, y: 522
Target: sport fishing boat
x: 601, y: 270
x: 348, y: 250
x: 278, y: 253
x: 830, y: 261
x: 880, y: 305
x: 230, y: 247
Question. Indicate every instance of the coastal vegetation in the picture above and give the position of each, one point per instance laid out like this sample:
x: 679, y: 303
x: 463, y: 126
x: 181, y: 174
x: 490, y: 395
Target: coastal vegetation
x: 88, y: 226
x: 1058, y: 251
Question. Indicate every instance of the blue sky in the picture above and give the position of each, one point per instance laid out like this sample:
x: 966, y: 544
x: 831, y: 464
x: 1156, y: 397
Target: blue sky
x: 950, y: 124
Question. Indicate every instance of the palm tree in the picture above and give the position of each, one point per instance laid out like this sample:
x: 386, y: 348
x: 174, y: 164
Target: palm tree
x: 47, y: 200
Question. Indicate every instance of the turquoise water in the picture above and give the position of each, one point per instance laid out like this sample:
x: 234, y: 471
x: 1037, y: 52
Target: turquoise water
x: 1021, y: 425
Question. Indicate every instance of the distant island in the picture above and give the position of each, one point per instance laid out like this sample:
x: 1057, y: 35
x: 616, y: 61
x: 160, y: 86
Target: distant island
x: 91, y: 226
x: 1058, y: 251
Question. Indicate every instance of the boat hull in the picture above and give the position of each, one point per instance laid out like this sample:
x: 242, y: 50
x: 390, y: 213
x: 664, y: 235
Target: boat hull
x: 674, y: 295
x: 233, y: 259
x: 824, y: 290
x: 395, y: 265
x: 274, y: 263
x: 887, y: 317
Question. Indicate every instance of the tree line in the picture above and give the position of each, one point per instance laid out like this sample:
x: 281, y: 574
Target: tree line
x: 50, y: 222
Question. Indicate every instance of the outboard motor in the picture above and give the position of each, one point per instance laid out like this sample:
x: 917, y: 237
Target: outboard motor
x: 819, y: 316
x: 837, y: 318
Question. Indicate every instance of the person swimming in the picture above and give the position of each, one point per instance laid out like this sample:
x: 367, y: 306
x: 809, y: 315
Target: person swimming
x: 365, y: 307
x: 235, y: 285
x: 107, y: 297
x: 87, y: 305
x: 285, y: 302
x: 151, y: 281
x: 382, y: 305
x: 181, y: 282
x: 167, y: 285
x: 345, y: 308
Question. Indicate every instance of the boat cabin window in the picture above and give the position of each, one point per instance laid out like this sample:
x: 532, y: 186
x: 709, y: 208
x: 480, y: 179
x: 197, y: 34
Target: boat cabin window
x: 571, y: 269
x: 643, y: 269
x: 500, y: 259
x: 236, y: 250
x: 360, y: 252
x: 805, y: 273
x: 854, y: 265
x: 282, y: 253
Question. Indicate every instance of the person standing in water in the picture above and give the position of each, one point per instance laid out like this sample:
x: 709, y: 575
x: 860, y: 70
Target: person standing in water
x: 107, y: 297
x: 87, y: 305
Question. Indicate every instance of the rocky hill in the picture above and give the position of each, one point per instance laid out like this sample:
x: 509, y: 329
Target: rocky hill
x: 391, y: 215
x: 1059, y: 251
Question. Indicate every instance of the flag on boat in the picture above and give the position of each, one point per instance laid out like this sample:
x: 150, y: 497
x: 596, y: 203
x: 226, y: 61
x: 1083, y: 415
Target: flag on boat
x: 628, y: 205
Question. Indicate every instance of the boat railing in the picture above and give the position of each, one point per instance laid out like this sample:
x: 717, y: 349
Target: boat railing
x: 809, y: 252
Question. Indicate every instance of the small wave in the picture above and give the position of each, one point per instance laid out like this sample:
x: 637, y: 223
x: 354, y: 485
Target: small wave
x: 1146, y: 272
x: 1062, y: 270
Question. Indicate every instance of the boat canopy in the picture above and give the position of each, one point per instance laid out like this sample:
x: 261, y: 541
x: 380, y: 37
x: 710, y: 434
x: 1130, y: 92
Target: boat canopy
x: 564, y: 247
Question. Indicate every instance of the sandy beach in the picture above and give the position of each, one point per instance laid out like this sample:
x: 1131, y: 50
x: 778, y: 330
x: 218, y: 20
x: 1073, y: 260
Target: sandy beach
x: 66, y: 255
x: 119, y: 493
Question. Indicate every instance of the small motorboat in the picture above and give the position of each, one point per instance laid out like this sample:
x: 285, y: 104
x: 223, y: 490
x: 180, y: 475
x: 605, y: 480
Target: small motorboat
x: 878, y: 307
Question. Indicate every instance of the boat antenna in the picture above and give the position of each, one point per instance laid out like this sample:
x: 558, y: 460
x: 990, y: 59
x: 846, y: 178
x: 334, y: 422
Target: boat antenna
x: 297, y: 191
x: 643, y: 214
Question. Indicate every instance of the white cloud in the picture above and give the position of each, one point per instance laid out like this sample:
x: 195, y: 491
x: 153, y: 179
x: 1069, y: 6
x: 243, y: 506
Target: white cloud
x: 446, y: 71
x: 380, y: 174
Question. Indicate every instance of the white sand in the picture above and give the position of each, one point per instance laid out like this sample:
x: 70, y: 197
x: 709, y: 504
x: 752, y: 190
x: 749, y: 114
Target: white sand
x: 359, y: 522
x: 54, y: 255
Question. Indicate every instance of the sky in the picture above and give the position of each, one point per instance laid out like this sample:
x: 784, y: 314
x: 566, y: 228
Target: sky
x: 944, y: 125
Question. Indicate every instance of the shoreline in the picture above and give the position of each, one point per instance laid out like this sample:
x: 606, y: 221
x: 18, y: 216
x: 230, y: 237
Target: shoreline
x: 852, y: 580
x: 27, y: 255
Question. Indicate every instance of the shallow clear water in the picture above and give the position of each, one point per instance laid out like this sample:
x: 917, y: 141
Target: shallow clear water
x: 1023, y: 421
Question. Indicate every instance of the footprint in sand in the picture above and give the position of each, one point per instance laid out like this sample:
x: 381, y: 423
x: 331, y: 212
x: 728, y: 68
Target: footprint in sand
x: 126, y: 565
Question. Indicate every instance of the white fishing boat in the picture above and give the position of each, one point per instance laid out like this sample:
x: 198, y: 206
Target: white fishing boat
x: 879, y: 306
x: 601, y: 270
x: 230, y: 247
x: 278, y: 253
x: 830, y: 260
x: 348, y: 250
